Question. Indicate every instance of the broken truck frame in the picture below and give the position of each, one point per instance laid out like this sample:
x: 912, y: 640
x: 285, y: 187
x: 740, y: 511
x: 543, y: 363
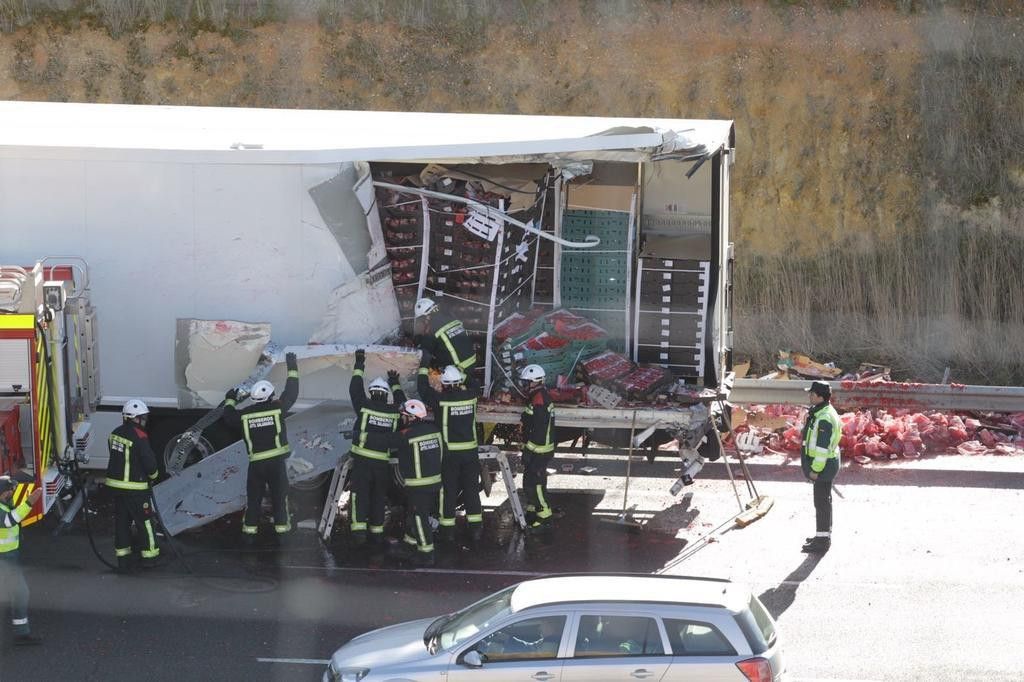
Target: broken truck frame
x: 188, y: 214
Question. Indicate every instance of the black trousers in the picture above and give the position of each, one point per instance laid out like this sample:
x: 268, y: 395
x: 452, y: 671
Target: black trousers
x: 460, y: 477
x: 133, y: 513
x: 419, y: 504
x: 267, y: 474
x: 823, y: 505
x: 535, y: 482
x: 370, y: 479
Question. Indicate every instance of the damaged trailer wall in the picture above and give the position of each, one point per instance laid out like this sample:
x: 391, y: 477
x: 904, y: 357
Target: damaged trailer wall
x: 188, y: 240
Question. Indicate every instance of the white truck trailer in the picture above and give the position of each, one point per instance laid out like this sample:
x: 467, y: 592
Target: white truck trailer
x: 207, y: 231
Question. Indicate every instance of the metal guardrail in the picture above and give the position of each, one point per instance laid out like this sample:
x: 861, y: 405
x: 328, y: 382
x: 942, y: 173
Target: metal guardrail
x: 884, y: 394
x: 602, y: 417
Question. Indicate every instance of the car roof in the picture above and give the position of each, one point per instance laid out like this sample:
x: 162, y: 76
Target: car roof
x: 651, y: 589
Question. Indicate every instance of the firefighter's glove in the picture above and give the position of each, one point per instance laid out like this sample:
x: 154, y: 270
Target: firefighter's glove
x: 232, y: 394
x: 394, y: 378
x: 814, y: 476
x: 425, y: 358
x: 291, y: 361
x: 360, y: 359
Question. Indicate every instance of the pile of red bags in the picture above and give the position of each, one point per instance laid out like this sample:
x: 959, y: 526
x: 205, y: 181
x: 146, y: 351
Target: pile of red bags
x: 889, y: 434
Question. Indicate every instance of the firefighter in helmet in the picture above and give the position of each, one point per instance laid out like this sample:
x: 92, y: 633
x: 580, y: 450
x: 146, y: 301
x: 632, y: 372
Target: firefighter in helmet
x: 443, y: 337
x: 417, y: 447
x: 266, y: 439
x: 370, y: 477
x: 538, y: 423
x: 454, y: 408
x: 131, y: 472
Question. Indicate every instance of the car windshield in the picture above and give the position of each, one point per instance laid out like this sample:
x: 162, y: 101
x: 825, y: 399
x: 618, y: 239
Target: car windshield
x: 475, y: 618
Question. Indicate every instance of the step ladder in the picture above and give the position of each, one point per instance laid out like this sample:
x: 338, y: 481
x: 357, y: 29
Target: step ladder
x: 336, y: 498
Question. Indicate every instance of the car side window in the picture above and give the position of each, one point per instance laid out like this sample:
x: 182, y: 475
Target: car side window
x: 692, y: 638
x: 533, y: 638
x: 618, y: 636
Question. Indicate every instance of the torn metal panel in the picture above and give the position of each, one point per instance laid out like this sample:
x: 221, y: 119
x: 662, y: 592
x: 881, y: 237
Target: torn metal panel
x: 212, y: 355
x: 367, y: 196
x: 219, y: 355
x: 209, y: 489
x: 325, y: 371
x: 361, y: 309
x: 340, y: 211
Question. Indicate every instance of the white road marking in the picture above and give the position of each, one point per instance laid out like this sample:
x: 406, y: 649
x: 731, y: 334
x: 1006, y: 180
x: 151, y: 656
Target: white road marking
x: 295, y: 661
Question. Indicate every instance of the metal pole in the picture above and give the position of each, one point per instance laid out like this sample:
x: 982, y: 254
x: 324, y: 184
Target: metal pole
x: 629, y: 465
x: 728, y: 470
x: 751, y: 488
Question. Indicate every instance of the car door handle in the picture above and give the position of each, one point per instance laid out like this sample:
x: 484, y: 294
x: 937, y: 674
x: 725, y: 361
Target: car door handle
x: 641, y: 674
x: 542, y: 675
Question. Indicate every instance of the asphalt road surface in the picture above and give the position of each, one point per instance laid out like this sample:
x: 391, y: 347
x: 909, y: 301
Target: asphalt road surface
x: 925, y: 580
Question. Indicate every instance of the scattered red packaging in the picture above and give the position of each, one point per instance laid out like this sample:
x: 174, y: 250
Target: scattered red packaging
x: 881, y: 434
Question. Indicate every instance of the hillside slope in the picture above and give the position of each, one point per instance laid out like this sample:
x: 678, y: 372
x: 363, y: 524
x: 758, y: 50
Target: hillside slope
x: 880, y: 172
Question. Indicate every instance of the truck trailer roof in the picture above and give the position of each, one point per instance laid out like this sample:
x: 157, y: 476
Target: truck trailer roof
x: 119, y: 132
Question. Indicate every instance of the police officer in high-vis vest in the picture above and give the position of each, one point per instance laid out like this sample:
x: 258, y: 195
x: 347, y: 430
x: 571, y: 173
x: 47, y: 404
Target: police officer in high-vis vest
x: 263, y: 428
x: 131, y: 471
x: 418, y: 447
x: 819, y: 459
x: 371, y: 476
x: 538, y: 422
x: 443, y: 336
x: 454, y: 409
x: 12, y: 579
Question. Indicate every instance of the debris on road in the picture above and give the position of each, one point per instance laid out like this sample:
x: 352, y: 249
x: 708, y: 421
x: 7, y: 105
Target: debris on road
x: 870, y: 435
x: 805, y: 367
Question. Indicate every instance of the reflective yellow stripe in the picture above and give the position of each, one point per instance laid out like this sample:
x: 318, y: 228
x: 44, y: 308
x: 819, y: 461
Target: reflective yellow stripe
x: 126, y: 471
x: 416, y: 482
x: 151, y: 549
x: 445, y: 406
x: 126, y: 485
x: 360, y: 447
x: 357, y: 372
x: 369, y: 454
x: 293, y: 374
x: 17, y: 321
x: 11, y: 537
x: 264, y: 454
x: 441, y: 335
x: 270, y: 454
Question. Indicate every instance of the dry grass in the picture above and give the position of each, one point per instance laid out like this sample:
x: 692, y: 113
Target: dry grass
x: 952, y: 296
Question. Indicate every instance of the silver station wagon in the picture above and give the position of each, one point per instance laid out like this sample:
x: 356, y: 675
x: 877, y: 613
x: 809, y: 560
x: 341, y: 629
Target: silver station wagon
x: 579, y: 628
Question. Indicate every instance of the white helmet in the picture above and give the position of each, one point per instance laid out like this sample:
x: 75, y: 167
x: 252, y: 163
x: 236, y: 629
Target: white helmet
x: 425, y: 306
x: 379, y: 384
x: 414, y: 408
x: 532, y: 373
x: 261, y: 390
x: 452, y: 376
x: 134, y: 408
